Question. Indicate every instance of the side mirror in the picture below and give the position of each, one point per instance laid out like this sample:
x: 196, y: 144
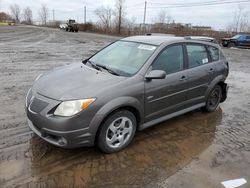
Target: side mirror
x: 156, y: 74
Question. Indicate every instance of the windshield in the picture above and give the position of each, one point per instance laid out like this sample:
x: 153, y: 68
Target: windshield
x: 124, y: 57
x: 236, y: 37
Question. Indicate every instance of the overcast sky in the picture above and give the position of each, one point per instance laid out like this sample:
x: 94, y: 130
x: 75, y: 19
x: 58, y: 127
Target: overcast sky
x: 217, y: 16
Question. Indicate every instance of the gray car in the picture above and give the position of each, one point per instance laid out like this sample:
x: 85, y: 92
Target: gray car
x: 130, y: 85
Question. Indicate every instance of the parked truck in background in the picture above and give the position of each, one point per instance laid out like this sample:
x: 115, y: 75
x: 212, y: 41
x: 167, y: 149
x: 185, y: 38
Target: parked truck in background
x: 70, y: 26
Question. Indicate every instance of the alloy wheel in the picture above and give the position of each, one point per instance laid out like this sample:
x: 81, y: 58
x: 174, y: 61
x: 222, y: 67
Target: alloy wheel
x: 119, y: 132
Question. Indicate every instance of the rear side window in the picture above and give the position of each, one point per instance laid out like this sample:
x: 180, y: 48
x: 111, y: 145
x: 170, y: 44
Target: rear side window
x: 248, y: 37
x: 214, y: 53
x: 170, y: 60
x: 197, y: 55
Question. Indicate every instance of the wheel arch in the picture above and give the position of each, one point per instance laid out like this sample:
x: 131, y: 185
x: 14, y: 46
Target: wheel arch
x: 128, y: 103
x: 219, y: 80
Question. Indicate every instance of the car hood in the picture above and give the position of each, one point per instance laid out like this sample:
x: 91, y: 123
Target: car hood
x: 75, y: 81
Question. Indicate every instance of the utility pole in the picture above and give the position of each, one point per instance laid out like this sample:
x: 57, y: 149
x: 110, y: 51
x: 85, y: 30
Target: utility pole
x: 53, y: 14
x: 85, y: 14
x: 120, y: 19
x: 144, y: 19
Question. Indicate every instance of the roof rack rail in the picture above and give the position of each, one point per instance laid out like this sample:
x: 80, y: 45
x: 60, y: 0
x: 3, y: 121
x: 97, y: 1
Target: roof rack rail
x: 201, y: 38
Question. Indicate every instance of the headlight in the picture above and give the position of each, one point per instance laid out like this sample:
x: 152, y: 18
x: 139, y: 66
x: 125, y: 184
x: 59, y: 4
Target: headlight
x: 70, y: 108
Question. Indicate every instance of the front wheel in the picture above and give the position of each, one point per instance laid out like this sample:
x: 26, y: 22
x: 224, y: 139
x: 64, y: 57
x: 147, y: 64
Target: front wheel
x: 117, y: 131
x: 231, y: 45
x: 213, y: 99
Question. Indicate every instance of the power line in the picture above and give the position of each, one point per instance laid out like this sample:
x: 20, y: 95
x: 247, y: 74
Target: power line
x: 204, y: 4
x: 195, y: 5
x: 135, y: 5
x: 176, y: 4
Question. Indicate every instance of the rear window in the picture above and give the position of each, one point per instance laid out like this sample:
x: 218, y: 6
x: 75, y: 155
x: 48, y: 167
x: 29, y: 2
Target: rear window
x: 214, y: 53
x: 197, y: 55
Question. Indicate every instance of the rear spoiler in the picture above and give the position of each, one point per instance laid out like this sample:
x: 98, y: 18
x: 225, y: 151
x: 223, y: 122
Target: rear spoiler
x: 201, y: 38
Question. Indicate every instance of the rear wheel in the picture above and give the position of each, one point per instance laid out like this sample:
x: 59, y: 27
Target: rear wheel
x: 213, y: 99
x: 117, y: 131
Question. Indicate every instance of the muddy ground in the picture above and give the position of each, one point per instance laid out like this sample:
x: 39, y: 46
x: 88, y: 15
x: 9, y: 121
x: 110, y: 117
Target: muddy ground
x: 196, y: 150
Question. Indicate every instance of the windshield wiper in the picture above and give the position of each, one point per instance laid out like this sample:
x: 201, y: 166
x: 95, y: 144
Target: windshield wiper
x: 108, y: 69
x: 93, y: 65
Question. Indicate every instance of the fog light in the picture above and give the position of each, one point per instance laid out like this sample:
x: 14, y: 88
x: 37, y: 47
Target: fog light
x: 62, y: 141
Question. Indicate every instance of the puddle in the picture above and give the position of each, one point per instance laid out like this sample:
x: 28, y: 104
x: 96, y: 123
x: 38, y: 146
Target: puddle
x: 155, y: 154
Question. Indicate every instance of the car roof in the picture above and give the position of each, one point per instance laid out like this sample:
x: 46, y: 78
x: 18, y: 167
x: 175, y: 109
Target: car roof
x: 158, y: 40
x: 153, y: 40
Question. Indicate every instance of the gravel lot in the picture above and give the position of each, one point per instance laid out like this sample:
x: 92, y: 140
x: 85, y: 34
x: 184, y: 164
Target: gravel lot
x: 192, y: 151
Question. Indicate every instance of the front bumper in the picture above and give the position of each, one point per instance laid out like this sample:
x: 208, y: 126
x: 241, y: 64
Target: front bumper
x: 65, y: 132
x: 64, y: 139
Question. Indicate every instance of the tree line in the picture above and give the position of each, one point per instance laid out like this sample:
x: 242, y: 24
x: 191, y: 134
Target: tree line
x: 115, y: 20
x: 25, y: 15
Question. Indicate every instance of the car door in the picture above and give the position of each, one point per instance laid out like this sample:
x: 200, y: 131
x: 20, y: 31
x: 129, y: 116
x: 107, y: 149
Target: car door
x: 247, y: 41
x: 241, y: 40
x: 164, y: 96
x: 200, y: 72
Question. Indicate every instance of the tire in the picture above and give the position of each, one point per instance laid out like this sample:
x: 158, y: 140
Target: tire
x: 213, y: 99
x: 231, y: 44
x: 117, y: 131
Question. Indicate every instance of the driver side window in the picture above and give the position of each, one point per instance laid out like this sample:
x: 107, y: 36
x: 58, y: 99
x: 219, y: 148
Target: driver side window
x: 170, y: 60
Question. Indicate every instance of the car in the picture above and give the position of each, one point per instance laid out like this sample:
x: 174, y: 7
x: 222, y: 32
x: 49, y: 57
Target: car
x: 132, y: 84
x: 237, y: 41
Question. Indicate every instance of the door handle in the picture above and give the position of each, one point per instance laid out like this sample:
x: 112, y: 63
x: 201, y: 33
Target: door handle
x: 183, y: 78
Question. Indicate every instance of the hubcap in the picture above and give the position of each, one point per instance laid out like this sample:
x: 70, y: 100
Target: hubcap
x: 119, y: 132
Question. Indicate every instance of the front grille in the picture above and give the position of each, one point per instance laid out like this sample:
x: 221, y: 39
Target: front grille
x: 37, y: 105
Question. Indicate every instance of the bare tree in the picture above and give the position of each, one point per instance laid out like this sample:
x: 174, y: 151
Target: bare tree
x: 240, y: 21
x: 105, y: 16
x: 164, y: 17
x: 163, y: 20
x: 4, y: 17
x: 119, y: 14
x: 244, y: 22
x: 15, y: 12
x: 27, y: 15
x: 43, y: 14
x: 129, y: 24
x: 161, y: 17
